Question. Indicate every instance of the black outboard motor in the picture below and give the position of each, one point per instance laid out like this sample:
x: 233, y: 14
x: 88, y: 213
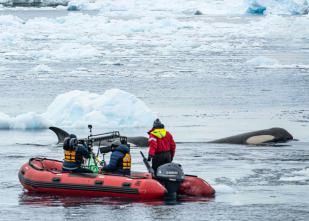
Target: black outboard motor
x: 171, y: 176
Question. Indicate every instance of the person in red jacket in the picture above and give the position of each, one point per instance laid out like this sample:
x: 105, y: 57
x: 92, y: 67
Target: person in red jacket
x: 161, y: 145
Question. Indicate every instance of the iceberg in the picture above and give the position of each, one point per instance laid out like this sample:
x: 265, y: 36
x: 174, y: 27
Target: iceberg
x: 83, y: 5
x: 256, y: 8
x: 287, y: 7
x: 77, y: 109
x: 29, y: 120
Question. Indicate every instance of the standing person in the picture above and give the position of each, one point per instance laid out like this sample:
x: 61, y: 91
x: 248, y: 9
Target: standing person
x: 120, y: 161
x: 73, y: 155
x: 161, y: 145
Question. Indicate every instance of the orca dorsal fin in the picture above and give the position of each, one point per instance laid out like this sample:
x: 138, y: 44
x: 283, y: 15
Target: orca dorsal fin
x: 61, y: 134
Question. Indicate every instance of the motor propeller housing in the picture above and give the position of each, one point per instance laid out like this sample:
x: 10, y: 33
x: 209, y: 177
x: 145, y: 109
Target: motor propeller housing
x: 170, y: 175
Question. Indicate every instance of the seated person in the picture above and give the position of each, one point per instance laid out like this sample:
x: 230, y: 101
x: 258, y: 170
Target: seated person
x: 120, y: 161
x: 73, y: 155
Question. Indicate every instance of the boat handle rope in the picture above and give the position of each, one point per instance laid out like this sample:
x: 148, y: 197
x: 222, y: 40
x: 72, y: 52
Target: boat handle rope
x: 41, y: 161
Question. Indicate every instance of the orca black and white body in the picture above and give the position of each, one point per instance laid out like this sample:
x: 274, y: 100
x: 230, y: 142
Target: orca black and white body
x: 272, y: 135
x: 138, y: 141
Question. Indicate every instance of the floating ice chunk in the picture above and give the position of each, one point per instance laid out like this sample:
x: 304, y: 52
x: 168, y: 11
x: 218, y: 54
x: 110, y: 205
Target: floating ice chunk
x: 71, y: 51
x: 30, y: 120
x: 290, y: 7
x: 82, y: 5
x: 10, y: 20
x: 262, y: 61
x: 114, y: 109
x: 41, y: 68
x: 5, y: 121
x: 75, y: 51
x: 73, y: 21
x: 256, y: 7
x: 7, y: 38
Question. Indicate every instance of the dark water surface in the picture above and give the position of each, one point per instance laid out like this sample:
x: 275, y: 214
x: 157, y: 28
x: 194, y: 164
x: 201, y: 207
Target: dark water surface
x: 251, y: 182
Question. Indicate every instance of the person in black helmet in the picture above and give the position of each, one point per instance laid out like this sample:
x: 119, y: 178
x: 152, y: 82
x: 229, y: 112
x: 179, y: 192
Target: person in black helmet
x: 73, y: 155
x: 120, y: 161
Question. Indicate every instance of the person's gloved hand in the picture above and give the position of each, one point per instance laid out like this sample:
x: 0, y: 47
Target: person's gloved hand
x: 101, y: 169
x: 149, y: 157
x: 103, y: 163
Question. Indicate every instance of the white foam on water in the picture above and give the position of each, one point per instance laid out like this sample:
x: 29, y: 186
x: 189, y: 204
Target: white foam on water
x: 295, y: 178
x: 304, y: 172
x: 221, y: 188
x: 301, y: 175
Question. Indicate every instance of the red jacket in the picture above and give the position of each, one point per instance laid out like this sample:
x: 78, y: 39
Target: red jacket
x: 160, y: 140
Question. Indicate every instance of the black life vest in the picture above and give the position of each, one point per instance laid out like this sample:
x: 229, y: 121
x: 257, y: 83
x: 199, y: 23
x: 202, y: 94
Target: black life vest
x: 125, y: 163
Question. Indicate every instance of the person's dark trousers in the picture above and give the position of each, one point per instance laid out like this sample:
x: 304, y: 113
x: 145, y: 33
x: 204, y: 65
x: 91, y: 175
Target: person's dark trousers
x: 160, y: 159
x: 79, y: 170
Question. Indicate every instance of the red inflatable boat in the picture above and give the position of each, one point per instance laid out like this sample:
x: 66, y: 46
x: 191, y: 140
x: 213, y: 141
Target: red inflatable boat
x: 45, y: 175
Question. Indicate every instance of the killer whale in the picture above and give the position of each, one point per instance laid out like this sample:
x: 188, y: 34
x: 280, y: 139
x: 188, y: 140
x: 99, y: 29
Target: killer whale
x: 260, y: 137
x: 61, y: 134
x: 272, y: 135
x: 133, y: 141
